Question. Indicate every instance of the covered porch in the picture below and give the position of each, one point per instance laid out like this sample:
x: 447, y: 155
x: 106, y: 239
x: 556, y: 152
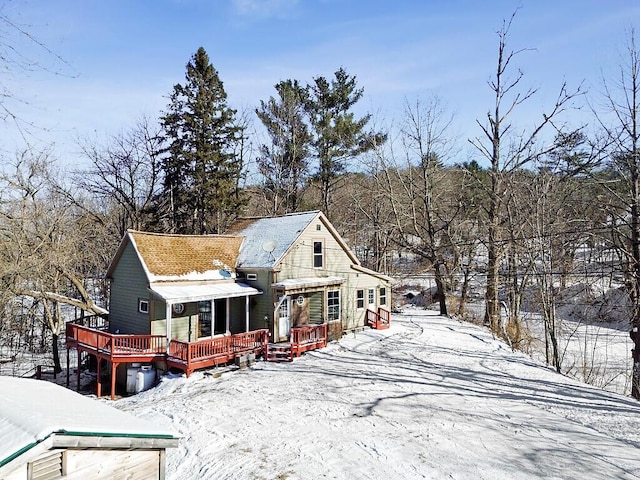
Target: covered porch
x: 189, y: 312
x: 305, y: 305
x: 89, y: 335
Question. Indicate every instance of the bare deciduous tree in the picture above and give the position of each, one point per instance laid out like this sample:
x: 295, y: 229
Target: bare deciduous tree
x: 506, y: 152
x: 125, y: 176
x: 42, y: 244
x: 423, y: 208
x: 621, y: 125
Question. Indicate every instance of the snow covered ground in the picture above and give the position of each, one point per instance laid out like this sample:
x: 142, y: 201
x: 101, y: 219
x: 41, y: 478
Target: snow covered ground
x: 428, y: 398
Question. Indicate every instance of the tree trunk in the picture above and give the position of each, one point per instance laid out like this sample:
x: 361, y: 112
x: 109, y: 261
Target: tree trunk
x: 492, y: 308
x: 442, y: 295
x: 57, y: 368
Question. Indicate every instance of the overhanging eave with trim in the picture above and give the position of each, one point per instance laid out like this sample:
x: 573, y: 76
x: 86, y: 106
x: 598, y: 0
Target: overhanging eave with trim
x: 297, y: 285
x: 180, y: 293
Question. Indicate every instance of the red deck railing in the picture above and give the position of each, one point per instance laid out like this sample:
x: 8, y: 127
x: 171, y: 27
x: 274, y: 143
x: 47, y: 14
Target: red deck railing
x: 189, y: 356
x: 379, y: 320
x: 309, y: 337
x: 186, y: 356
x: 113, y: 345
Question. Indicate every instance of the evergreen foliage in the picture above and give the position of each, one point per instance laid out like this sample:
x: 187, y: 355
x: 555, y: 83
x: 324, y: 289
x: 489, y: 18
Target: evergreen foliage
x: 284, y: 164
x: 201, y: 190
x: 337, y: 134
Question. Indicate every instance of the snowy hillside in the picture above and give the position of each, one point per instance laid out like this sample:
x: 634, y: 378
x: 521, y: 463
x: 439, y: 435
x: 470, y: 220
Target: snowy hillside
x: 428, y: 398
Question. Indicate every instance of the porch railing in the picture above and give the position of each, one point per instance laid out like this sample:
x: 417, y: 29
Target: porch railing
x: 218, y: 350
x: 97, y: 322
x: 308, y: 337
x: 379, y: 320
x: 255, y: 341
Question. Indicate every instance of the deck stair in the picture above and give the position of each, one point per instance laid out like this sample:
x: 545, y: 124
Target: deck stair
x: 279, y: 352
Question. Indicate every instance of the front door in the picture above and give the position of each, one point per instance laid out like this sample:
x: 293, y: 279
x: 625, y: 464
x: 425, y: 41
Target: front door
x: 371, y: 299
x: 284, y: 319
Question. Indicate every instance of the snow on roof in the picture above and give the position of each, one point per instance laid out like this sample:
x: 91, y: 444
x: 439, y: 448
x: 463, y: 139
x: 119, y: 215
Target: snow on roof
x: 32, y: 410
x: 180, y: 293
x: 297, y: 283
x: 268, y: 239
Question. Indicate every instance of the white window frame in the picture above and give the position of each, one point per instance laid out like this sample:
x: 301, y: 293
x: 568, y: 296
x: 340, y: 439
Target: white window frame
x: 319, y: 255
x: 382, y: 295
x: 141, y: 305
x: 360, y: 299
x: 333, y: 305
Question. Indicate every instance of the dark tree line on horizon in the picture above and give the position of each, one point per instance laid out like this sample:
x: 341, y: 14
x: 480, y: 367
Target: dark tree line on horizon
x: 405, y: 200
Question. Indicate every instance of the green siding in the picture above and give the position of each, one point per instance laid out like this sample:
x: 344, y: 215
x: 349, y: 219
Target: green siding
x: 316, y: 300
x: 260, y: 305
x: 128, y: 284
x: 180, y: 328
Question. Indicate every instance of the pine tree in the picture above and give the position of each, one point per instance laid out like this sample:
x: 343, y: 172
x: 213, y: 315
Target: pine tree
x: 201, y: 191
x: 338, y: 134
x: 284, y: 163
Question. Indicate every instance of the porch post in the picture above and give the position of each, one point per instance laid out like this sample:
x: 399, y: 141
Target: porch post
x: 213, y: 317
x: 246, y: 313
x: 168, y: 322
x: 227, y: 315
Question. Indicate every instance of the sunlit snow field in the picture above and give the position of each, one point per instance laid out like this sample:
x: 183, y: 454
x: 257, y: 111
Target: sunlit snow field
x: 429, y: 398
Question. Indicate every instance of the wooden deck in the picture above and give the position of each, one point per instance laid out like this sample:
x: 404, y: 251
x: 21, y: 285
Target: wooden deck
x: 115, y: 347
x: 90, y: 336
x: 379, y: 320
x: 190, y: 356
x: 309, y: 337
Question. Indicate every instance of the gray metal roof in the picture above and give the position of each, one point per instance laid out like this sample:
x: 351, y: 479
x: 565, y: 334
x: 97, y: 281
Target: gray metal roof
x: 268, y: 239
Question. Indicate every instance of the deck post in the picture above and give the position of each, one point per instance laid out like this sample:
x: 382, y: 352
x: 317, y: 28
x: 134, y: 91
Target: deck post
x: 98, y: 378
x: 114, y: 365
x: 68, y: 380
x: 78, y: 368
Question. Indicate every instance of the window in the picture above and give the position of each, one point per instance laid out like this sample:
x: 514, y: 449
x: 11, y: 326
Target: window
x: 252, y: 276
x: 383, y: 296
x: 283, y: 311
x: 371, y: 296
x: 359, y: 298
x: 204, y: 318
x: 143, y: 306
x: 333, y: 305
x: 178, y: 308
x: 317, y: 255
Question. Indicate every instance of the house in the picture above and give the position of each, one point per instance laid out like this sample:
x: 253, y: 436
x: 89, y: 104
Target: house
x: 47, y: 432
x: 193, y: 301
x: 182, y: 287
x: 307, y: 275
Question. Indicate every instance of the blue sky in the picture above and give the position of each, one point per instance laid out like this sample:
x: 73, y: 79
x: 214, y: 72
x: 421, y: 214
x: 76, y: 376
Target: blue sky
x: 122, y: 57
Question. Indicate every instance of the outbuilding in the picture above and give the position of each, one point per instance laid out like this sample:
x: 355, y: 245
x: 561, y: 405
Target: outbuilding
x: 49, y: 432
